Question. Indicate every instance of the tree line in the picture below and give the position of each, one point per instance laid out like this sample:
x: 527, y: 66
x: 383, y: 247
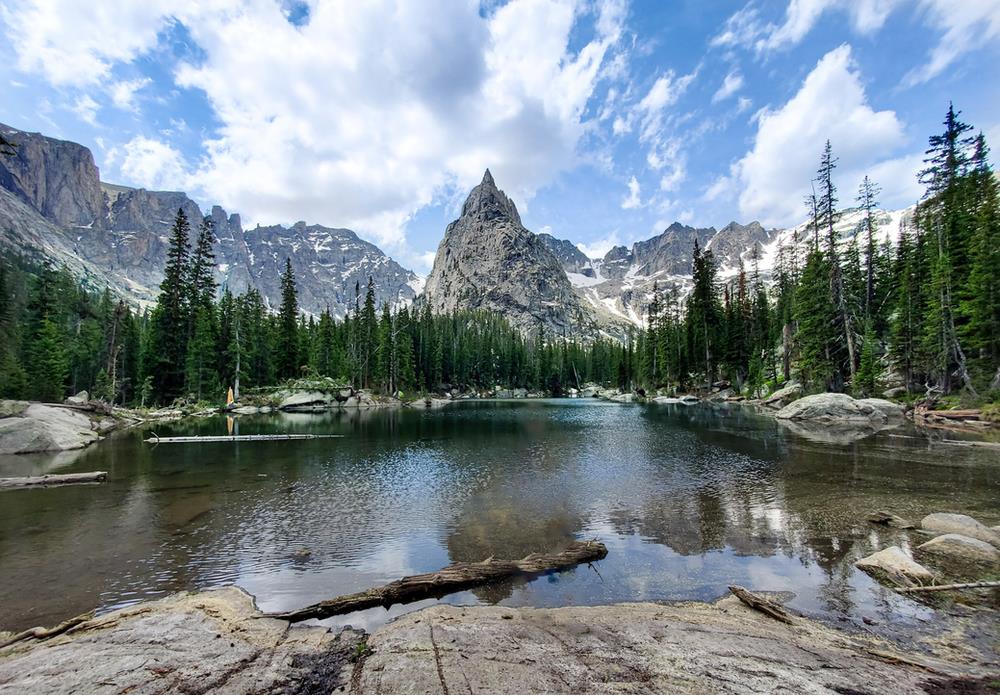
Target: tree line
x: 838, y: 314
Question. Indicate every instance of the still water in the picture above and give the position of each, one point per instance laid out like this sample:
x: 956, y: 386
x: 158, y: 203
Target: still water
x: 688, y: 499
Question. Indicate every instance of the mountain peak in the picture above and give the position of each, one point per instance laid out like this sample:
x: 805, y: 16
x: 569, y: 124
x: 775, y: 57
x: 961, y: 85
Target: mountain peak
x: 488, y: 202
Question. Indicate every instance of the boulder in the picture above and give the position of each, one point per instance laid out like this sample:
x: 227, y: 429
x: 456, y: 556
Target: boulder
x: 520, y: 393
x: 784, y: 396
x: 81, y: 398
x: 9, y: 408
x: 960, y: 557
x: 832, y: 408
x: 894, y: 392
x: 301, y: 399
x: 45, y: 428
x: 503, y: 393
x: 960, y: 524
x: 892, y: 411
x: 589, y: 392
x: 893, y: 565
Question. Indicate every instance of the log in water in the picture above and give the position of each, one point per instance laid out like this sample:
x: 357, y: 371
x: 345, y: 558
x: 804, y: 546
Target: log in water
x: 238, y: 438
x: 53, y: 479
x: 455, y: 577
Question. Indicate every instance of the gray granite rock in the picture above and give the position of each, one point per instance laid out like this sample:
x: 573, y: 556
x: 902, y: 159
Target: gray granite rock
x: 962, y: 524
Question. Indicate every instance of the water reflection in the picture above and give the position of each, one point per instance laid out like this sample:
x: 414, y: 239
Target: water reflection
x: 688, y: 500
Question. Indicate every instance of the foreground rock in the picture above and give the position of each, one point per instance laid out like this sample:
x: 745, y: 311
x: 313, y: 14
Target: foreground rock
x: 960, y: 557
x: 32, y: 427
x: 217, y: 642
x: 961, y: 524
x: 896, y: 567
x: 832, y: 408
x: 214, y: 641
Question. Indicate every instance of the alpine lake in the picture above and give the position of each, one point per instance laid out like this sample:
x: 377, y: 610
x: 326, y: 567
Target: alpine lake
x: 689, y: 499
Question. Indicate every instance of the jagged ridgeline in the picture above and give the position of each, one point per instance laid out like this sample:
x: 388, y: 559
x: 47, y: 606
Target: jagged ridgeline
x: 54, y: 206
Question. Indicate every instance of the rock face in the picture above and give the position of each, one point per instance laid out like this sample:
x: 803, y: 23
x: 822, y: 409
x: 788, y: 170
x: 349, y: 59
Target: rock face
x: 488, y: 260
x: 960, y: 557
x: 54, y: 206
x: 735, y: 242
x: 45, y: 428
x: 211, y: 642
x: 960, y: 524
x: 573, y: 260
x: 831, y: 408
x: 894, y: 565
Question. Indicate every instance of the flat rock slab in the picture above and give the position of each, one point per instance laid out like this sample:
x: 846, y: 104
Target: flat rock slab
x: 633, y: 648
x: 209, y: 642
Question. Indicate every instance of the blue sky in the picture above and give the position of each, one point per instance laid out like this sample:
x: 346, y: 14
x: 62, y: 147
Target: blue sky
x: 605, y: 120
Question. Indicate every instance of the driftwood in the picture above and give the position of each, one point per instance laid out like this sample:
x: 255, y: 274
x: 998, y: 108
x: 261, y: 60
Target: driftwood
x: 53, y: 479
x: 46, y: 632
x: 455, y: 577
x: 759, y: 603
x: 238, y: 438
x: 951, y: 587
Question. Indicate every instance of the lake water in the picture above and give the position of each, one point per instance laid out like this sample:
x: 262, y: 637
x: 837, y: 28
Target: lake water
x: 688, y: 500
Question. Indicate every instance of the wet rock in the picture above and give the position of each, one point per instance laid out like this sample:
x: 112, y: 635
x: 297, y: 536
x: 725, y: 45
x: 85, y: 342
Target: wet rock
x: 960, y: 557
x: 895, y: 566
x: 889, y: 519
x: 246, y: 410
x: 305, y: 399
x: 45, y: 428
x: 837, y: 434
x: 81, y: 398
x: 832, y: 408
x: 213, y: 641
x: 784, y: 396
x: 961, y: 524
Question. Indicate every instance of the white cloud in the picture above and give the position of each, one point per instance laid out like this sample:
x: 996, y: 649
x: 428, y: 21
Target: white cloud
x: 367, y: 112
x: 632, y: 201
x: 775, y: 174
x: 86, y: 108
x: 153, y: 164
x: 743, y: 104
x: 746, y: 29
x: 123, y: 92
x: 600, y: 247
x: 666, y: 90
x: 967, y: 25
x: 730, y: 85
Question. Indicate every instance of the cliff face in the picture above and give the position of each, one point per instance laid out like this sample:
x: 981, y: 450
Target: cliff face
x: 55, y: 206
x: 488, y: 260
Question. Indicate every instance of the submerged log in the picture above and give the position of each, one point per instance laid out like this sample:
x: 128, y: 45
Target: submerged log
x: 759, y: 603
x: 53, y: 479
x: 455, y: 577
x: 951, y: 587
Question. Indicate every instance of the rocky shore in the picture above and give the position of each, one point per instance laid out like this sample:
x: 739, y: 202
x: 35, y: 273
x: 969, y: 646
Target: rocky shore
x: 217, y: 641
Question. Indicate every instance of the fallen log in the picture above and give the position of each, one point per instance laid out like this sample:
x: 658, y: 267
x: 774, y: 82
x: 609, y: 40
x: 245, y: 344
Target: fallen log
x: 45, y: 633
x: 53, y: 479
x: 238, y: 438
x: 454, y: 577
x: 971, y: 414
x: 759, y: 603
x: 951, y: 587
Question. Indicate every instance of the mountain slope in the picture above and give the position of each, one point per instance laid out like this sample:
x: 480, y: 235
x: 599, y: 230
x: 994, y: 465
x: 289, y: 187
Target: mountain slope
x: 54, y: 205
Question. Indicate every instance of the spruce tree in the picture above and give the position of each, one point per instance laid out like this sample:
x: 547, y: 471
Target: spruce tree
x: 288, y: 326
x: 165, y: 356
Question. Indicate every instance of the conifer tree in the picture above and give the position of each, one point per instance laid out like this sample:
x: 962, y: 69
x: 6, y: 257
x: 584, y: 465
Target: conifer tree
x: 167, y: 346
x: 288, y: 326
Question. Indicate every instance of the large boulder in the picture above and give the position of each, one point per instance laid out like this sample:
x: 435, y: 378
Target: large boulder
x: 893, y: 411
x: 81, y: 398
x: 832, y: 408
x: 895, y: 566
x: 9, y: 408
x: 960, y: 557
x: 306, y: 399
x: 45, y: 428
x: 784, y: 396
x: 960, y: 524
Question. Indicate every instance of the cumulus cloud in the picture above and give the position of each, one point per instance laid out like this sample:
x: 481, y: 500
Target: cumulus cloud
x: 153, y: 164
x: 123, y: 93
x: 774, y: 175
x: 632, y: 201
x: 358, y: 114
x: 730, y: 85
x: 600, y: 247
x: 86, y: 108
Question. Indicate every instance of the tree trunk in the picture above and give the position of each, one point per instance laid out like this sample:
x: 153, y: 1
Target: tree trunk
x: 455, y: 577
x: 46, y: 480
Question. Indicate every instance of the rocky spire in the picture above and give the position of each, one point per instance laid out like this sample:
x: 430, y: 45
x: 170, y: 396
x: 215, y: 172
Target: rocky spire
x: 487, y: 202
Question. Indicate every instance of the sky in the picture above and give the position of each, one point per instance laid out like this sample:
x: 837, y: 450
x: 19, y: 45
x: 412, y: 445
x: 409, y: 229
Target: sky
x: 604, y: 120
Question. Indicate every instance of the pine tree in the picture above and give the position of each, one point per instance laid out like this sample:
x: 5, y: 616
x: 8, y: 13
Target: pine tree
x: 864, y: 382
x: 166, y: 351
x: 815, y: 318
x: 288, y: 326
x: 868, y: 203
